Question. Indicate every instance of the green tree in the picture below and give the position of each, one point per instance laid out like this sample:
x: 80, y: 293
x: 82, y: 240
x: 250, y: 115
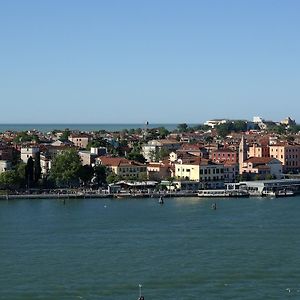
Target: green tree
x: 294, y: 128
x: 37, y: 170
x: 239, y: 126
x: 163, y: 132
x: 143, y: 176
x: 136, y: 156
x: 65, y: 168
x: 201, y: 127
x: 22, y: 137
x: 65, y: 135
x: 100, y: 173
x: 279, y: 129
x: 86, y: 174
x: 99, y: 142
x: 182, y: 127
x: 9, y: 180
x: 29, y: 172
x: 20, y: 170
x: 112, y: 178
x: 223, y: 129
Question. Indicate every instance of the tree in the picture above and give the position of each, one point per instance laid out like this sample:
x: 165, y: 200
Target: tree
x: 112, y: 178
x: 163, y: 153
x: 223, y: 129
x: 20, y: 170
x: 201, y: 127
x: 100, y: 173
x: 9, y: 179
x: 65, y: 135
x: 65, y: 168
x: 182, y: 127
x: 99, y: 142
x: 22, y: 137
x: 143, y: 176
x: 239, y: 126
x: 163, y: 132
x: 294, y: 128
x: 37, y: 170
x: 29, y: 171
x: 136, y: 156
x: 86, y: 173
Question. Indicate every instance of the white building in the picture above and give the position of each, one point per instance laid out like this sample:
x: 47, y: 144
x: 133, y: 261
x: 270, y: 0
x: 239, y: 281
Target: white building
x: 27, y: 152
x: 45, y: 162
x: 154, y: 146
x: 5, y: 165
x: 215, y: 122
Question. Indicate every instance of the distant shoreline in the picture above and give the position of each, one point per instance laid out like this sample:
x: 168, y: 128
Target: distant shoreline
x: 45, y: 127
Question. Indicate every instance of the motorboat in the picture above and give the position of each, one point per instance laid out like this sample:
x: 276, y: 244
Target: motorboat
x: 285, y: 193
x: 222, y: 193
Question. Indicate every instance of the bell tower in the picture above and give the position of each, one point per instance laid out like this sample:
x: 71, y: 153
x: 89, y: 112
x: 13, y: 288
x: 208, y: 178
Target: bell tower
x: 242, y: 154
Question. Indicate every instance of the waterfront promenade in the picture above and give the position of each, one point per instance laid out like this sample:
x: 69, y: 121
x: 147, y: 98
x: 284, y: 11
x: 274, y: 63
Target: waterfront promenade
x: 66, y: 194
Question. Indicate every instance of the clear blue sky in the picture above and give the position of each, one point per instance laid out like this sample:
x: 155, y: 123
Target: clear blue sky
x: 164, y: 61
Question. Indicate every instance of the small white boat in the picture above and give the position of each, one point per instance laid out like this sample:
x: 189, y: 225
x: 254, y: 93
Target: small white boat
x: 285, y: 193
x: 269, y: 193
x: 222, y: 193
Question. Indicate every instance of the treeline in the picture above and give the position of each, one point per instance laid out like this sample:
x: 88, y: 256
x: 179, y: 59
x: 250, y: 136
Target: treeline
x: 66, y: 171
x: 232, y: 126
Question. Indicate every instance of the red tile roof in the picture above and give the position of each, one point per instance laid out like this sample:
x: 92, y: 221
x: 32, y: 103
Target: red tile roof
x: 117, y: 161
x: 259, y: 160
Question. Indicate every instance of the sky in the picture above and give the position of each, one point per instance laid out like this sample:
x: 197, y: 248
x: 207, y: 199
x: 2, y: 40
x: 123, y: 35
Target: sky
x: 162, y: 61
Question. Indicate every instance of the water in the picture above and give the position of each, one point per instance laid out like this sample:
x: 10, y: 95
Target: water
x: 82, y: 127
x: 102, y: 249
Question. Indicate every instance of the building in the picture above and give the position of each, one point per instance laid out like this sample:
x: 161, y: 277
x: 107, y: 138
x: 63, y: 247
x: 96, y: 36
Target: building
x: 27, y: 152
x: 122, y: 166
x: 231, y: 172
x: 258, y: 187
x: 152, y: 148
x: 262, y: 167
x: 209, y: 173
x: 101, y: 151
x: 225, y: 155
x: 215, y: 122
x: 288, y: 122
x: 45, y: 162
x: 243, y: 153
x: 80, y: 140
x: 5, y: 166
x: 288, y: 154
x: 258, y: 150
x: 158, y: 171
x: 6, y: 152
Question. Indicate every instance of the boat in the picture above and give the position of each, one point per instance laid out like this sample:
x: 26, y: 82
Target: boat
x: 285, y: 193
x: 268, y: 194
x: 222, y: 193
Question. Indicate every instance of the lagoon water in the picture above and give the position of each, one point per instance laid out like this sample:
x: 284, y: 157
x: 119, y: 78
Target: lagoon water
x: 102, y: 249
